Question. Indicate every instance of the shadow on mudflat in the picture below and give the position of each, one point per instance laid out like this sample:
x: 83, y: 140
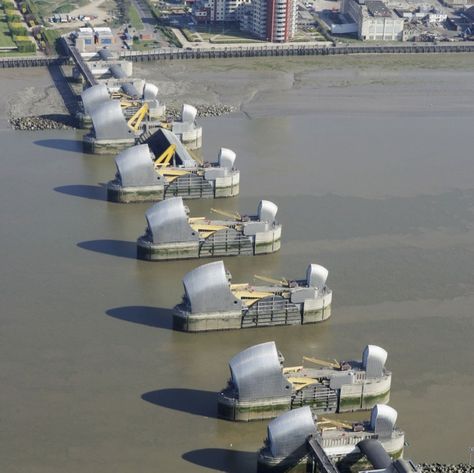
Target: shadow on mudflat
x: 144, y: 315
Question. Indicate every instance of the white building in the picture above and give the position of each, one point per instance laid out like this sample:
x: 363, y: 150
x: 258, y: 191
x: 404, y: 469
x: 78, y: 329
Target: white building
x: 374, y: 20
x: 218, y: 10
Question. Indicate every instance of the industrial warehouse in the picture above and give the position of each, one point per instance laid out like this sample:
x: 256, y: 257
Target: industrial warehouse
x: 219, y: 305
x: 326, y: 387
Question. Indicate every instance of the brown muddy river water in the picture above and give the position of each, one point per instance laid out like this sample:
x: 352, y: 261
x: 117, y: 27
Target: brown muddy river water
x: 93, y: 379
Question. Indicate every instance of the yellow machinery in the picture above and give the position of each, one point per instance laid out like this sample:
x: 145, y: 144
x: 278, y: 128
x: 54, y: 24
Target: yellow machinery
x: 165, y: 157
x: 279, y: 282
x: 333, y: 423
x: 233, y: 215
x: 247, y: 294
x: 162, y: 164
x: 335, y: 364
x: 135, y: 121
x: 300, y: 382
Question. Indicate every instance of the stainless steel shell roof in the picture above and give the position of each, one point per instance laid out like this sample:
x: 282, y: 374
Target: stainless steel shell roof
x: 150, y: 91
x: 256, y: 373
x: 105, y: 54
x: 168, y: 222
x: 316, y: 276
x: 226, y: 158
x: 136, y: 168
x: 375, y: 453
x: 131, y: 90
x: 117, y: 71
x: 94, y: 96
x: 289, y: 431
x: 382, y: 420
x: 373, y: 361
x: 207, y: 289
x: 109, y: 121
x: 188, y: 113
x: 267, y: 211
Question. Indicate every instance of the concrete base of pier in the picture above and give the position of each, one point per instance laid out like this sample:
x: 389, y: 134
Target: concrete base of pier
x: 94, y: 146
x: 245, y: 411
x: 117, y: 193
x: 267, y: 242
x: 299, y: 462
x: 206, y: 322
x: 226, y: 190
x: 315, y: 316
x: 149, y: 251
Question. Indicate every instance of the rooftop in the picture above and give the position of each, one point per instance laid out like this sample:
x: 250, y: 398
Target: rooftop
x: 378, y: 8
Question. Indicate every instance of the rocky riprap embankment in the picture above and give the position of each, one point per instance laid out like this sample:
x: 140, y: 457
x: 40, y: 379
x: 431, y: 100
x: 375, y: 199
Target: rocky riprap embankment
x: 173, y: 112
x: 445, y: 468
x: 38, y: 123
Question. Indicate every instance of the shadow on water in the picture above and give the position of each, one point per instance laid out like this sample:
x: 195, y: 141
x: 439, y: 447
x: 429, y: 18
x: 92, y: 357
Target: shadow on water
x: 81, y: 190
x: 74, y: 146
x: 122, y: 248
x: 223, y: 459
x: 192, y: 401
x: 150, y: 316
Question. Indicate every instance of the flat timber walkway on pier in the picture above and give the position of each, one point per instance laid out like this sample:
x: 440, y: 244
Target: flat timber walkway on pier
x: 267, y: 50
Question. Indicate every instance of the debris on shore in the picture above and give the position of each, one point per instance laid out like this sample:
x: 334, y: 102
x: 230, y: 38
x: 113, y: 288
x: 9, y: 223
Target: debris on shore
x: 41, y: 123
x: 173, y: 111
x: 63, y: 122
x: 446, y: 468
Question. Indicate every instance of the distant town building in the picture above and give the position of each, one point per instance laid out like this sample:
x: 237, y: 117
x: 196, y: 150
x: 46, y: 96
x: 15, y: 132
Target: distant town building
x: 374, y: 20
x: 92, y: 39
x: 304, y: 19
x: 457, y: 3
x: 214, y: 11
x: 270, y: 20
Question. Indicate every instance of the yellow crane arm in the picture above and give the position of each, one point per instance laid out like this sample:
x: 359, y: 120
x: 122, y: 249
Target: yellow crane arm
x: 343, y: 425
x: 279, y: 282
x: 329, y: 364
x: 235, y: 216
x: 300, y: 383
x: 246, y: 294
x: 137, y: 118
x: 165, y: 157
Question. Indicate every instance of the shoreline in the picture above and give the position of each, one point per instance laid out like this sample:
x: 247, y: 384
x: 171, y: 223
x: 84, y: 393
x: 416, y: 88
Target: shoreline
x: 275, y: 86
